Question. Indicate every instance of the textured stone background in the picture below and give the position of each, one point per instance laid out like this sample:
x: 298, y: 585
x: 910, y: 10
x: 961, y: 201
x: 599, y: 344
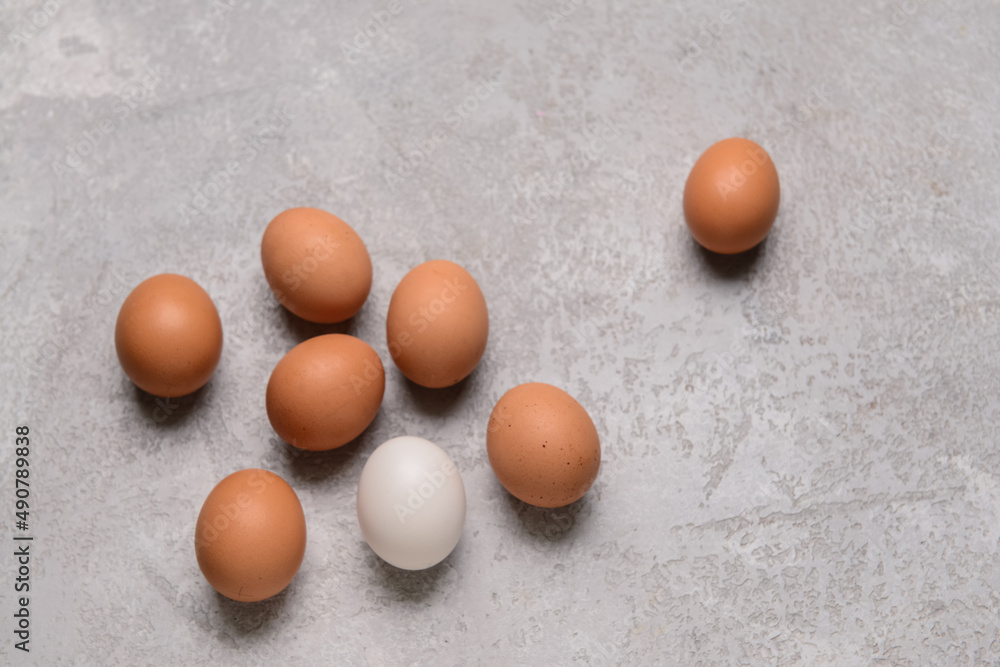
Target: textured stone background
x: 800, y: 446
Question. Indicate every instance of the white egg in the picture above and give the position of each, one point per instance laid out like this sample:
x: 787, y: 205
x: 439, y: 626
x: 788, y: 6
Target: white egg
x: 411, y: 503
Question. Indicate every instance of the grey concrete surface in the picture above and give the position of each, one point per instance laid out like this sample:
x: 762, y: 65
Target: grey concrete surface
x: 800, y: 445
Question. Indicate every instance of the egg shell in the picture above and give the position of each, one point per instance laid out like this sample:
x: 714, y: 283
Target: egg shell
x: 325, y: 391
x: 437, y: 324
x: 411, y: 503
x: 731, y: 196
x: 250, y: 537
x: 542, y: 445
x: 168, y: 335
x: 316, y: 264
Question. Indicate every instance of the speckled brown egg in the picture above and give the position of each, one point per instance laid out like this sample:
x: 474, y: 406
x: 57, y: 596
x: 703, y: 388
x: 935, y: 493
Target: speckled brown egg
x: 731, y: 197
x: 250, y: 536
x: 316, y: 264
x: 543, y: 445
x: 437, y: 324
x: 325, y: 392
x: 168, y: 335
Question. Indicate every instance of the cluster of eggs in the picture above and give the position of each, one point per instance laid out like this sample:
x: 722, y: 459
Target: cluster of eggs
x: 541, y: 443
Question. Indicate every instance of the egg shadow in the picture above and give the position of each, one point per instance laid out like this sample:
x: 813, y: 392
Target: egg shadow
x: 549, y: 526
x: 302, y: 330
x: 159, y: 414
x: 408, y: 585
x: 438, y: 402
x: 244, y: 619
x: 309, y: 467
x: 731, y: 267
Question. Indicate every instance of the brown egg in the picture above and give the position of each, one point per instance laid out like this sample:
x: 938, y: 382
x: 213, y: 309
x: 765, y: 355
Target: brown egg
x: 325, y: 392
x: 316, y: 264
x: 251, y: 535
x: 731, y: 197
x: 542, y: 445
x: 168, y: 335
x: 437, y: 324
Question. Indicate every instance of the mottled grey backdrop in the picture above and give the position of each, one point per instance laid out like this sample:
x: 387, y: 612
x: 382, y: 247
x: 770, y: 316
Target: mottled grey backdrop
x: 800, y: 446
